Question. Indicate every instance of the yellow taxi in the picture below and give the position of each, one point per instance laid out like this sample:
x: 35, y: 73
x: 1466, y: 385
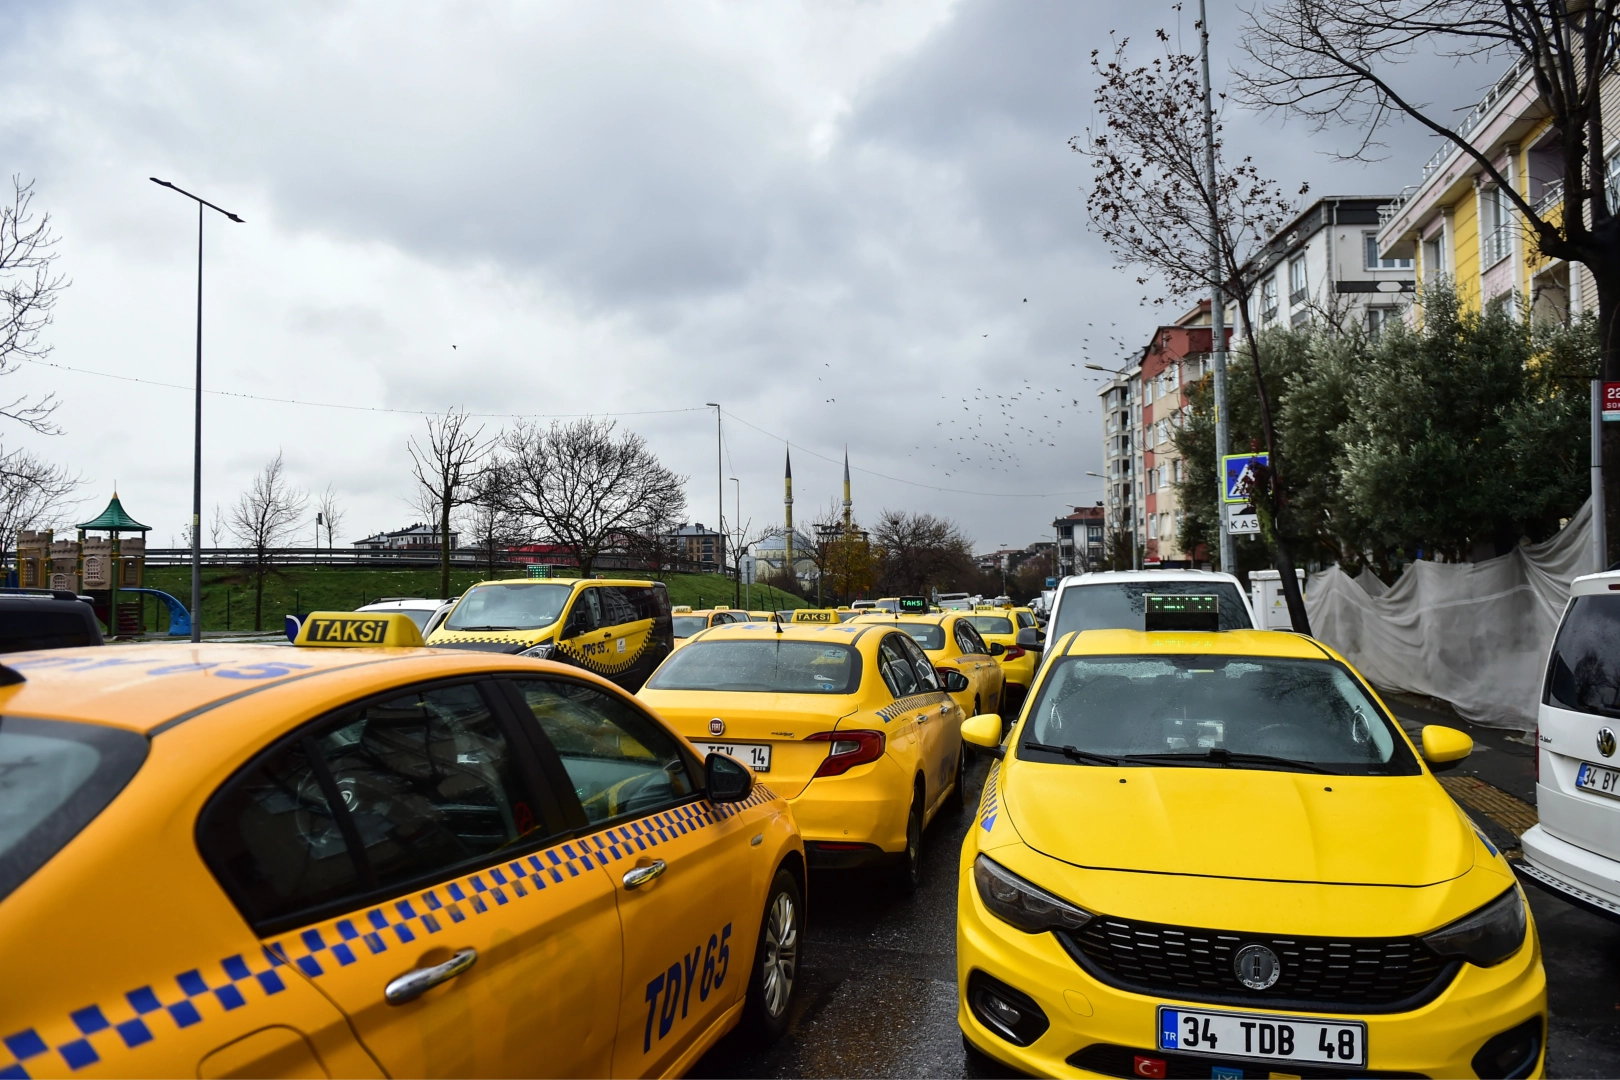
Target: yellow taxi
x: 817, y: 616
x: 762, y: 616
x: 687, y: 622
x: 847, y: 722
x: 1218, y: 854
x: 954, y: 646
x: 1000, y: 626
x: 620, y: 630
x: 255, y: 860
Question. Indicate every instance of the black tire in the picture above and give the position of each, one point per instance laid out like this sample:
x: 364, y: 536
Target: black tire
x: 774, y: 981
x: 955, y: 802
x: 908, y: 864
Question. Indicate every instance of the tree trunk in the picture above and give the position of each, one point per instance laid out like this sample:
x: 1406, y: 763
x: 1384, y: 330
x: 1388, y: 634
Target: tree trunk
x: 444, y: 546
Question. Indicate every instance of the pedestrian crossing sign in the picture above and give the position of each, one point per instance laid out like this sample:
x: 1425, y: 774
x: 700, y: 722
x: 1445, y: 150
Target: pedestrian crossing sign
x: 1237, y: 471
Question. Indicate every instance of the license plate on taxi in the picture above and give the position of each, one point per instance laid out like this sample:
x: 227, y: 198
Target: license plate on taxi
x: 1338, y: 1043
x: 756, y: 756
x: 1599, y: 778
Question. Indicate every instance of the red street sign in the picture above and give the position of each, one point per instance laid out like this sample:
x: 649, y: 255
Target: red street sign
x: 1611, y: 401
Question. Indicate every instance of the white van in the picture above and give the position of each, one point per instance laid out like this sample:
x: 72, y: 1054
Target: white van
x: 1112, y: 599
x: 1575, y: 849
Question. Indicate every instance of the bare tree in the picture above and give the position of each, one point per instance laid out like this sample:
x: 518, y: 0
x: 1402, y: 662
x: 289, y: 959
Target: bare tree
x: 216, y: 529
x: 586, y: 487
x: 655, y: 543
x: 918, y: 551
x: 1336, y: 64
x: 264, y: 516
x: 329, y: 514
x: 489, y: 522
x: 29, y: 287
x: 446, y: 471
x: 32, y: 493
x: 1153, y: 202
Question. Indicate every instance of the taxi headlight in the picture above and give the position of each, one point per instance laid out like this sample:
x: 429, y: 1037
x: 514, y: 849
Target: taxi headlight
x: 1016, y: 901
x: 542, y: 651
x: 1488, y: 936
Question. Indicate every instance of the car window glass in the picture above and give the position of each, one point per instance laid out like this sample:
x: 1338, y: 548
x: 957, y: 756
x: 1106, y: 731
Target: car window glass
x: 687, y: 625
x: 991, y: 624
x: 586, y: 614
x: 926, y: 677
x: 931, y: 636
x: 968, y: 639
x: 513, y: 606
x: 616, y: 606
x: 1025, y: 619
x: 1120, y: 605
x: 772, y: 666
x: 1584, y: 673
x: 893, y: 662
x: 620, y: 761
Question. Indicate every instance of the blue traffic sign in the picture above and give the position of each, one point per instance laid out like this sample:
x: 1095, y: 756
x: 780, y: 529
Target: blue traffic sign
x: 1236, y: 471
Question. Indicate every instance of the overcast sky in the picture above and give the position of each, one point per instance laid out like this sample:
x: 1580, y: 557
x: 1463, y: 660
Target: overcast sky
x: 836, y: 219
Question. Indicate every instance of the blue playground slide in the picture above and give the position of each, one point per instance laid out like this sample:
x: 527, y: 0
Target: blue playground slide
x: 179, y: 617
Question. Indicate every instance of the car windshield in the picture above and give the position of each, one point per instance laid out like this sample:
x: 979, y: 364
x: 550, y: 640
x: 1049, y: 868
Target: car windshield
x: 771, y: 667
x: 518, y: 606
x: 687, y: 625
x: 991, y: 624
x: 1118, y: 605
x: 1232, y: 711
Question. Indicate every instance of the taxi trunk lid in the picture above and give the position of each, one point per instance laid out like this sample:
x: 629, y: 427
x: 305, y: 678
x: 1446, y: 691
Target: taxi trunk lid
x: 1241, y: 823
x: 781, y: 721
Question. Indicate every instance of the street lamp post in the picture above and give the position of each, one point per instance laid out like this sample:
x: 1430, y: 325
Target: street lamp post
x: 196, y: 465
x: 719, y: 488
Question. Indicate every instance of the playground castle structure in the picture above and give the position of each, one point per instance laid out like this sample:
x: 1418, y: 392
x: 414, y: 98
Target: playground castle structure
x: 101, y: 567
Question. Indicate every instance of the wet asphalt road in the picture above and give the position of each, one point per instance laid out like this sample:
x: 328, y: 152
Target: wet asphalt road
x: 877, y: 995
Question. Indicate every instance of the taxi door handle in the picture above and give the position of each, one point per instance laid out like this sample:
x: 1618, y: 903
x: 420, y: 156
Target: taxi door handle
x: 643, y: 874
x: 413, y: 984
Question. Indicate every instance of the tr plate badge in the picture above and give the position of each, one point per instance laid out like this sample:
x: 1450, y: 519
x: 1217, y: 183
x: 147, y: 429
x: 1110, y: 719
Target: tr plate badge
x: 1257, y: 967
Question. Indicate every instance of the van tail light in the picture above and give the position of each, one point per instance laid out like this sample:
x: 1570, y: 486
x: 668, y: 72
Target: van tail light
x: 1013, y: 652
x: 848, y: 749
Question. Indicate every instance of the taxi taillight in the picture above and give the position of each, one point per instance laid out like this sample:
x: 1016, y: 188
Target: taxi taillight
x: 848, y: 749
x: 1013, y: 652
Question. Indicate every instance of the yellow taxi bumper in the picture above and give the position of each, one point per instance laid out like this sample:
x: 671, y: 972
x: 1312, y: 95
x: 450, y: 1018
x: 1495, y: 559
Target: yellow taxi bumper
x: 856, y: 818
x: 1439, y: 1039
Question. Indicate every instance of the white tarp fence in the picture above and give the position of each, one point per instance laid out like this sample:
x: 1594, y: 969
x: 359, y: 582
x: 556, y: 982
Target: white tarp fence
x: 1472, y: 634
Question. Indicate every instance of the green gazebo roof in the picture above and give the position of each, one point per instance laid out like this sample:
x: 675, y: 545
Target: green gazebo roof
x: 115, y: 519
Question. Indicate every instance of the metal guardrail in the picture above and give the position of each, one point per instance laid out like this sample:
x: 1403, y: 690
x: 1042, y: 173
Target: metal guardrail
x: 401, y: 559
x: 1552, y: 193
x: 1503, y: 86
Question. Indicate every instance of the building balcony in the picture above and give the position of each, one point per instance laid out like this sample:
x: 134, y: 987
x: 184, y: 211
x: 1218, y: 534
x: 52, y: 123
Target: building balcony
x: 1495, y: 246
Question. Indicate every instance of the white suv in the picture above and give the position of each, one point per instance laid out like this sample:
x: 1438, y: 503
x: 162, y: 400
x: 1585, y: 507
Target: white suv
x: 1575, y: 850
x: 1112, y: 599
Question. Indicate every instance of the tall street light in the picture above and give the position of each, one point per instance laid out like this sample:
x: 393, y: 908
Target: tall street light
x: 196, y: 464
x: 719, y: 490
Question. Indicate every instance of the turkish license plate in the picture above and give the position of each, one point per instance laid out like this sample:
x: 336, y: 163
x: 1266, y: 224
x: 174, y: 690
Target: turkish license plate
x: 756, y: 756
x: 1340, y: 1043
x: 1598, y: 778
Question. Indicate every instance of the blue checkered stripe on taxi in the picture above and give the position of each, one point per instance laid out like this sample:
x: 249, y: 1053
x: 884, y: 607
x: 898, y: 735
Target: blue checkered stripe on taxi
x: 990, y: 804
x: 144, y: 1014
x: 338, y: 943
x: 148, y: 1013
x: 906, y: 704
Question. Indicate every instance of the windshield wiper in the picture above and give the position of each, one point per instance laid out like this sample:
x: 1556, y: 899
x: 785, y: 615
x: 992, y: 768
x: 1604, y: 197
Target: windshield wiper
x: 471, y: 628
x: 1220, y: 756
x: 1072, y: 753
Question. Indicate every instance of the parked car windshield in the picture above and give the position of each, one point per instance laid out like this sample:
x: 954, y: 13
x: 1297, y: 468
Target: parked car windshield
x: 771, y: 667
x: 1223, y: 711
x: 1118, y: 605
x: 515, y: 606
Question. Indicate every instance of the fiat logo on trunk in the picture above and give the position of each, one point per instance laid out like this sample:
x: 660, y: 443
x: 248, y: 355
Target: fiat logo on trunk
x: 717, y: 726
x: 1257, y: 967
x: 1606, y: 742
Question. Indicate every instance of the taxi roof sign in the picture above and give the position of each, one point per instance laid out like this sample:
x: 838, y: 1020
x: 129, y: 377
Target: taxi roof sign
x: 1191, y: 612
x: 359, y: 630
x: 815, y: 615
x: 912, y: 605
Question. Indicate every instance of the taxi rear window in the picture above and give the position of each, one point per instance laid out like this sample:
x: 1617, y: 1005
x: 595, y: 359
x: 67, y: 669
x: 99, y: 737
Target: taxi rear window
x: 55, y: 777
x: 1584, y: 672
x: 991, y: 624
x: 687, y: 625
x: 931, y: 636
x: 768, y: 667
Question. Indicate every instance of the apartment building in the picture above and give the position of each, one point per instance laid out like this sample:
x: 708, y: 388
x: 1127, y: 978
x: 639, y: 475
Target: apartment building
x: 1175, y: 358
x: 1327, y: 264
x: 1455, y: 223
x: 1122, y: 452
x: 1079, y: 545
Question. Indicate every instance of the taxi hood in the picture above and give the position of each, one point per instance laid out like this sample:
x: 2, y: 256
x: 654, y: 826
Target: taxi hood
x: 1240, y: 823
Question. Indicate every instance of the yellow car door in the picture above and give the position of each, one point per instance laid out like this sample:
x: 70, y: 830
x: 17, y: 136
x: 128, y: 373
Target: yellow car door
x: 394, y: 853
x: 686, y: 875
x: 978, y: 665
x: 939, y: 723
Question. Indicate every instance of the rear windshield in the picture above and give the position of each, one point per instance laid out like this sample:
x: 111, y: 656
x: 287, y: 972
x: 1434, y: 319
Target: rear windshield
x: 1584, y: 673
x: 1118, y: 605
x: 991, y: 624
x: 1222, y: 711
x: 687, y: 625
x: 519, y: 606
x: 55, y: 777
x: 772, y: 667
x: 35, y: 625
x: 931, y: 636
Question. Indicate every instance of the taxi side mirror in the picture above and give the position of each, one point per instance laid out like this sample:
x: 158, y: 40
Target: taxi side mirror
x: 727, y: 779
x: 1030, y: 638
x: 983, y: 730
x: 1444, y: 747
x: 952, y: 680
x: 997, y: 648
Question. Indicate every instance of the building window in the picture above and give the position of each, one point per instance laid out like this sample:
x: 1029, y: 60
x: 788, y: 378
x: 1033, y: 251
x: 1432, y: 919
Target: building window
x: 1611, y: 181
x: 1375, y: 263
x: 1377, y: 317
x: 1434, y: 256
x: 1268, y: 299
x: 1296, y: 280
x: 1153, y: 527
x: 1496, y: 242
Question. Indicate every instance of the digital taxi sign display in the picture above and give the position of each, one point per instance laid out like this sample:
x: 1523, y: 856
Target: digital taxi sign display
x: 1195, y: 613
